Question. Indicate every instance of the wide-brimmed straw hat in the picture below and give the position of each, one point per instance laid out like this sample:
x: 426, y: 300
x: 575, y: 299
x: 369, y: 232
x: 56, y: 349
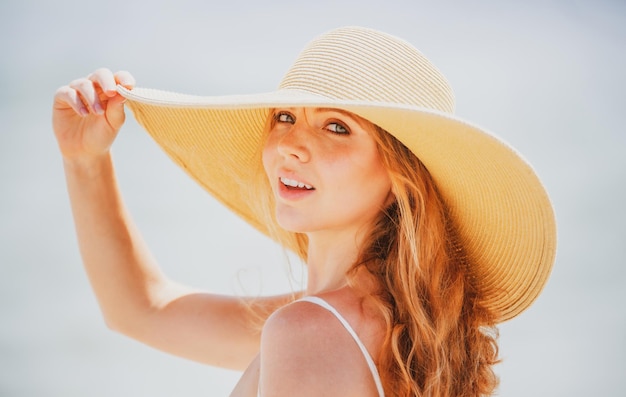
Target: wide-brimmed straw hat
x: 503, y: 215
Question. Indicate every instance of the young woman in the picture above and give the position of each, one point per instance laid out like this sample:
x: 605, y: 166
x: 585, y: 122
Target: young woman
x: 420, y: 231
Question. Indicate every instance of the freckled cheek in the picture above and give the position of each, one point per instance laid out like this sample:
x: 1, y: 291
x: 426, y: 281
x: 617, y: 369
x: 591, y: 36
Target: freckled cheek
x: 375, y: 177
x: 350, y: 176
x: 367, y: 167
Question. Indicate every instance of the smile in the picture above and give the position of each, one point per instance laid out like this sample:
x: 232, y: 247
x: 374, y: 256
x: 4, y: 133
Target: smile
x: 295, y: 184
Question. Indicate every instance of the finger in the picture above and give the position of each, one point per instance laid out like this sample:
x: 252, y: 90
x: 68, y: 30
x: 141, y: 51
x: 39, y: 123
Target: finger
x: 68, y: 96
x: 105, y: 81
x: 87, y: 91
x: 125, y: 79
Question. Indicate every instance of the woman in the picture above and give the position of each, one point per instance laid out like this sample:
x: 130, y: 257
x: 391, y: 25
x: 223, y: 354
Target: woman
x: 420, y: 232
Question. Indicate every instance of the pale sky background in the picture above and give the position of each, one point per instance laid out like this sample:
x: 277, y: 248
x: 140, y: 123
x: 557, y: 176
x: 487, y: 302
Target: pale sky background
x: 546, y: 76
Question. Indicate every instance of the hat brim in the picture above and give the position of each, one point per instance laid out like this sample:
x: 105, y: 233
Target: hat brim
x: 500, y: 208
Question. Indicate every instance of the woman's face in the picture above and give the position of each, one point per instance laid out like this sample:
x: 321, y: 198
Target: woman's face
x: 324, y: 169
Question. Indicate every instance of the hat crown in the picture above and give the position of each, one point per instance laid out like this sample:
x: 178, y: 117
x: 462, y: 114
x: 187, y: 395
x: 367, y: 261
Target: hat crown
x: 361, y: 64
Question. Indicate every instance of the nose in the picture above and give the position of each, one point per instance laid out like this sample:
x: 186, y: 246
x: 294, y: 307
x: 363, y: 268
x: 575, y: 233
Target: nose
x: 293, y: 143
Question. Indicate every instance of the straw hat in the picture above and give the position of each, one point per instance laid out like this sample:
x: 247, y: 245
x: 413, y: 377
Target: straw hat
x: 503, y: 214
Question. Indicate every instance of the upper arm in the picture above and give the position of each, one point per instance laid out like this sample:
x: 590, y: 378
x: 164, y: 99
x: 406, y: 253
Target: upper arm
x: 305, y: 351
x: 218, y: 330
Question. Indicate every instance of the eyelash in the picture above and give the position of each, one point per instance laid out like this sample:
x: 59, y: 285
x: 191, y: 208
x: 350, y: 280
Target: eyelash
x: 346, y: 130
x: 280, y: 116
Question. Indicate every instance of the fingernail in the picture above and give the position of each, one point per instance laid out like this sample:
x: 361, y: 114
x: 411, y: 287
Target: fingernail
x: 83, y: 112
x: 98, y: 109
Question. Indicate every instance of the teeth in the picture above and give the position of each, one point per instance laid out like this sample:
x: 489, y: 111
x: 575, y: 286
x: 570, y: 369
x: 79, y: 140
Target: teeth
x: 293, y: 183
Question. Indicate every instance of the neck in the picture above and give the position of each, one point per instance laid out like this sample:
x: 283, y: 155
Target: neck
x: 330, y: 256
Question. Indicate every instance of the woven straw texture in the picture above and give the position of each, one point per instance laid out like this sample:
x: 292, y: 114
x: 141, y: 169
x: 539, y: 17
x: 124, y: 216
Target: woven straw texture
x: 503, y: 214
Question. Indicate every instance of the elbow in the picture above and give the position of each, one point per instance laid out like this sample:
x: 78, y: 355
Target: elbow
x: 115, y: 324
x: 125, y: 325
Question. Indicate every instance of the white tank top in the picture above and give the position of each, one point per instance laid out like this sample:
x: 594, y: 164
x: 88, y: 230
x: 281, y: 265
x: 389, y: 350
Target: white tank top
x: 368, y: 358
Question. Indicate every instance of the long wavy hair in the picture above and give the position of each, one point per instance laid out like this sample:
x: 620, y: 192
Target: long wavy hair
x: 440, y: 341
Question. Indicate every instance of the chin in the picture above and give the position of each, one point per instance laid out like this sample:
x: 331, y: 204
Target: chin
x: 293, y: 224
x: 293, y: 227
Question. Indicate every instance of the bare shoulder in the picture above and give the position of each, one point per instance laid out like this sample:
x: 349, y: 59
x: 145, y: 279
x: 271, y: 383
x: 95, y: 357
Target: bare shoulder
x: 306, y: 351
x: 298, y: 316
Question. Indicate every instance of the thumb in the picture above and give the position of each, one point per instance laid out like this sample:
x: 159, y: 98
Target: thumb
x: 115, y: 111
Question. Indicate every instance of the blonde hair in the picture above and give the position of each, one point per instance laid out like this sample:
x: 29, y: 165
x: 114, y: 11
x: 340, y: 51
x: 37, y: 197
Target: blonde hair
x: 440, y: 341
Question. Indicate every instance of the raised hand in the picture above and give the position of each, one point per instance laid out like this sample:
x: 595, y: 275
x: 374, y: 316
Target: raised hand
x: 88, y: 113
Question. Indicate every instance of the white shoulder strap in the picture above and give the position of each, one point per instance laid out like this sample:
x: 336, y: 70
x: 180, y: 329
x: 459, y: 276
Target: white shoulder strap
x: 368, y: 358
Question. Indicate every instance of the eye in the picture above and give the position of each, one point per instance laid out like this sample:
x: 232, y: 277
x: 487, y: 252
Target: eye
x: 284, y: 117
x: 337, y: 128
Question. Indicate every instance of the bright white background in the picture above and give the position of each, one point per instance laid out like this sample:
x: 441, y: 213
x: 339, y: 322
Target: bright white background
x: 547, y: 76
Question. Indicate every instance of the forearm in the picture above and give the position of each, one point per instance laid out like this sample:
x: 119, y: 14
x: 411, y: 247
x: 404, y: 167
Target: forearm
x: 136, y: 299
x: 123, y: 275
